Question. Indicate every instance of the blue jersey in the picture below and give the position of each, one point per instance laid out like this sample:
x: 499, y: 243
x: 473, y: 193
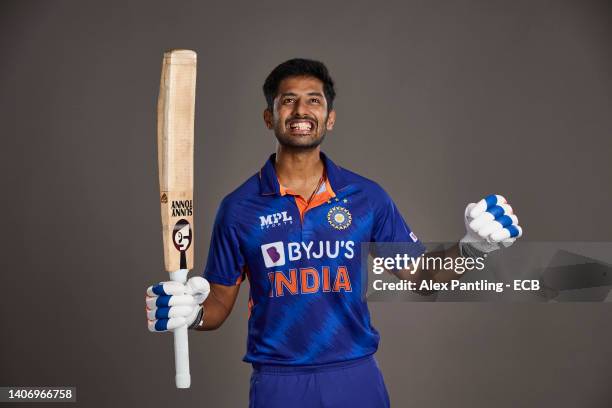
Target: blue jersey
x: 307, y: 303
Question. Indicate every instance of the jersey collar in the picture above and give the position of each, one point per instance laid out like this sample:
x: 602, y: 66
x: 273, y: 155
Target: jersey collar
x: 268, y: 181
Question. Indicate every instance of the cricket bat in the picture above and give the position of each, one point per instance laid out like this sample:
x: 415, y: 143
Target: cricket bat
x: 175, y: 123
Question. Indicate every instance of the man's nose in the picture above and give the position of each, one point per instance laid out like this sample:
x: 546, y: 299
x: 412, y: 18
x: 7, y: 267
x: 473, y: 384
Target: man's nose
x: 300, y: 108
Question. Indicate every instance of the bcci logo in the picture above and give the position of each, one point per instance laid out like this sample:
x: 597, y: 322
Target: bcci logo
x: 339, y: 217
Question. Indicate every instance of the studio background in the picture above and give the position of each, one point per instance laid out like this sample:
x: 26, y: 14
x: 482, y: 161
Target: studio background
x: 440, y: 102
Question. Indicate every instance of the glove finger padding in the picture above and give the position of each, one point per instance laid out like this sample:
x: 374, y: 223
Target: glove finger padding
x: 162, y: 325
x: 494, y: 212
x: 495, y: 225
x: 505, y: 234
x: 163, y: 301
x: 486, y: 203
x: 497, y: 222
x: 172, y: 304
x: 166, y: 289
x: 489, y: 222
x: 169, y: 312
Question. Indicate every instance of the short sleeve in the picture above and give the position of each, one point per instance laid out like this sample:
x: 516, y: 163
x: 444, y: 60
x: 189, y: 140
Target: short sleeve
x: 225, y: 261
x: 389, y: 227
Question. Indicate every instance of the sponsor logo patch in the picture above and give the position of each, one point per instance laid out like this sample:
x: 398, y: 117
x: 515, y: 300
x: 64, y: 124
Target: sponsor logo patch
x: 278, y: 253
x: 273, y: 254
x: 275, y: 220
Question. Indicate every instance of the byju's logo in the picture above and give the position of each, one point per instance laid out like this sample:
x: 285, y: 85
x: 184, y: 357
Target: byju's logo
x: 275, y: 220
x: 273, y: 254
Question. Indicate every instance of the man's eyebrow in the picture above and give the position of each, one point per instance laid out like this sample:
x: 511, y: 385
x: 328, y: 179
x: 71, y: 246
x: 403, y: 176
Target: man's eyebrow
x: 314, y: 93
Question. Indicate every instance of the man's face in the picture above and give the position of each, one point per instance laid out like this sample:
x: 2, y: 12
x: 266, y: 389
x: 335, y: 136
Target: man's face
x: 300, y: 118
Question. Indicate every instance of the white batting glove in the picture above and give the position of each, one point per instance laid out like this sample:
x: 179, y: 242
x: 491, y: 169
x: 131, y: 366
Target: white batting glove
x: 171, y: 305
x: 490, y: 222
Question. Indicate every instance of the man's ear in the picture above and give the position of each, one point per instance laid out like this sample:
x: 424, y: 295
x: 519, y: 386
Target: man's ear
x: 268, y: 118
x: 331, y: 119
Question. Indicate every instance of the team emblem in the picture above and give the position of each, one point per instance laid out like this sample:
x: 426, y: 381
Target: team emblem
x: 339, y: 217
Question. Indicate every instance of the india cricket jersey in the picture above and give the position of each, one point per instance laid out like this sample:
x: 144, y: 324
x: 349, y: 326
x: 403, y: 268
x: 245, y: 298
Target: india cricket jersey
x: 303, y: 262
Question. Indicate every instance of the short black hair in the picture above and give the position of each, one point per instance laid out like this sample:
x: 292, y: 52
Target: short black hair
x: 297, y: 67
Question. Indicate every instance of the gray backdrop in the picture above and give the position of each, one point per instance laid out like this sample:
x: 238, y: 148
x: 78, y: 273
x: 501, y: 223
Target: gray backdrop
x: 441, y: 102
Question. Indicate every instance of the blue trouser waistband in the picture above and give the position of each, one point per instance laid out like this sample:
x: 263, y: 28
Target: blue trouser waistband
x: 306, y: 369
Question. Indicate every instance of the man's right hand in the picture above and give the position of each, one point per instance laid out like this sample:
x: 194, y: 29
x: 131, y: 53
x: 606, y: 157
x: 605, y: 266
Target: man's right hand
x: 171, y: 305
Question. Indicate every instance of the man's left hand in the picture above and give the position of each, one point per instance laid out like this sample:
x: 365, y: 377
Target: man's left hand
x: 489, y: 222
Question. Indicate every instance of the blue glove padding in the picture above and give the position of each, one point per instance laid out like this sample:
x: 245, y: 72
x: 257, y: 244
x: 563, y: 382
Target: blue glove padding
x: 172, y: 304
x: 489, y: 222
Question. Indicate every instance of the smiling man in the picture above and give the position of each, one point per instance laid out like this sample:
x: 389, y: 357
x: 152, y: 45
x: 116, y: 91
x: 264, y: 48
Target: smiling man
x: 294, y: 231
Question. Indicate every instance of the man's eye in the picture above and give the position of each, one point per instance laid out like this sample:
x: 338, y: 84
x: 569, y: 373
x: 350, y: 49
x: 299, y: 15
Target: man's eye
x: 315, y: 100
x: 288, y: 100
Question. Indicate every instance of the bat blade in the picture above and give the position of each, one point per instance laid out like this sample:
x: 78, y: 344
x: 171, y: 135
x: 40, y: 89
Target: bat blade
x: 175, y: 124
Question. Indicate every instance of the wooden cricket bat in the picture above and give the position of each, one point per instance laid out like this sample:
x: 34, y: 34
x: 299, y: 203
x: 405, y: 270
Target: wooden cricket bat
x: 175, y: 123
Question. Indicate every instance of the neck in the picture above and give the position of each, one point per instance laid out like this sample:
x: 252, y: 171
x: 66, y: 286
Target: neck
x: 298, y: 167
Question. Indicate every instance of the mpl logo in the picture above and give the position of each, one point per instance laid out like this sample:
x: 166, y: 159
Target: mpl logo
x: 273, y: 254
x: 275, y: 220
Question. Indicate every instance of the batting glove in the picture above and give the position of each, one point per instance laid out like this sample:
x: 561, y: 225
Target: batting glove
x: 172, y: 304
x: 490, y: 222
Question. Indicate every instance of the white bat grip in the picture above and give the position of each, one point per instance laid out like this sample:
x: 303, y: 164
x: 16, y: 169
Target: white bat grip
x: 181, y: 342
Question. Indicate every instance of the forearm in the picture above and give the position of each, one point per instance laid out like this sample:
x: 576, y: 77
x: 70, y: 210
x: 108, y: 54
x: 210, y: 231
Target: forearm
x: 489, y: 223
x: 218, y: 306
x: 438, y: 274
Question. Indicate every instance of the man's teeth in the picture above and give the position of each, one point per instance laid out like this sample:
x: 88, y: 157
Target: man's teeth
x: 301, y: 126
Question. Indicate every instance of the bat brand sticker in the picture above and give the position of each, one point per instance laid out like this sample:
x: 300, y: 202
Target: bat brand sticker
x: 182, y: 237
x: 182, y: 208
x: 164, y: 198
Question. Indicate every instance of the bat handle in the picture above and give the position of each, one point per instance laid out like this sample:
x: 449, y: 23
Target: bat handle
x: 181, y: 342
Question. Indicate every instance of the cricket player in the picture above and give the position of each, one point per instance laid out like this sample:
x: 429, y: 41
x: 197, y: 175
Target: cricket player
x: 294, y: 230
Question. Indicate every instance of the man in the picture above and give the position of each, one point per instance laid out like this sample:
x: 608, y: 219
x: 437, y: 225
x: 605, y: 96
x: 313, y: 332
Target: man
x: 294, y: 231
